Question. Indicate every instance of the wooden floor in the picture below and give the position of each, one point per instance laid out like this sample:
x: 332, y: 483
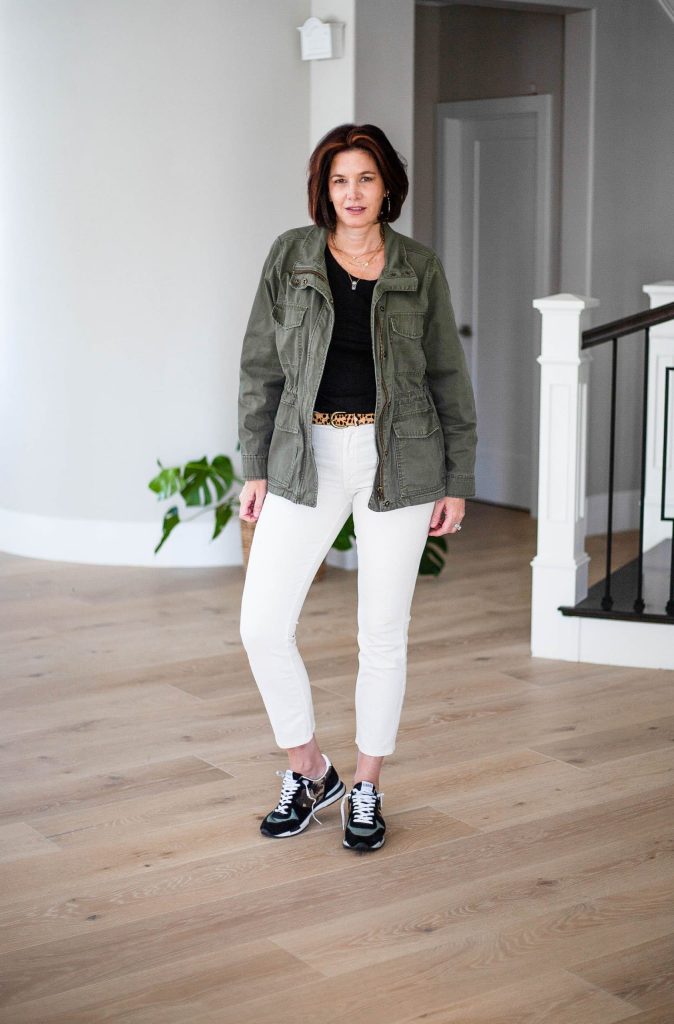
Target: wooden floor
x: 527, y: 874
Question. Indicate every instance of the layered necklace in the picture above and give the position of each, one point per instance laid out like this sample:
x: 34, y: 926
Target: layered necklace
x: 359, y: 260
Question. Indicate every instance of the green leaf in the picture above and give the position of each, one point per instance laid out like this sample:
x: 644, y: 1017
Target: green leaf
x: 342, y: 541
x: 201, y: 484
x: 222, y: 467
x: 432, y: 558
x: 223, y: 514
x: 166, y: 483
x: 171, y: 520
x: 196, y: 490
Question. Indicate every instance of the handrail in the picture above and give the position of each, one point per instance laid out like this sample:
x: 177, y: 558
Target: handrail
x: 627, y: 325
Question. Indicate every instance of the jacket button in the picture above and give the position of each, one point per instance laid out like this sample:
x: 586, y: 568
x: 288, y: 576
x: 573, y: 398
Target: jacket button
x: 381, y: 309
x: 385, y: 451
x: 304, y: 280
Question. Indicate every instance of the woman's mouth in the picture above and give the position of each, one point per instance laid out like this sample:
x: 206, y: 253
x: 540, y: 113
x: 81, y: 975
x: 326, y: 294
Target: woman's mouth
x: 355, y: 209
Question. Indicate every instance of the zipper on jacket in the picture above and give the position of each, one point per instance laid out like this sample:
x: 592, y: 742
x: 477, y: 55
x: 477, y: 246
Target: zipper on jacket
x: 380, y: 488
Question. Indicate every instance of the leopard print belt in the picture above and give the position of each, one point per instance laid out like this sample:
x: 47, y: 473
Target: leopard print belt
x: 343, y: 419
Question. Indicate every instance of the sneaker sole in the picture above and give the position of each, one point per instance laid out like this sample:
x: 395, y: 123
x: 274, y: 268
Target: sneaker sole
x: 364, y: 846
x: 307, y: 821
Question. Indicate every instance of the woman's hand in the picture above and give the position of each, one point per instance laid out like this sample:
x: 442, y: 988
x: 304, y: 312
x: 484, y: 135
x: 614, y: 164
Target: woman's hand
x: 447, y: 512
x: 251, y: 499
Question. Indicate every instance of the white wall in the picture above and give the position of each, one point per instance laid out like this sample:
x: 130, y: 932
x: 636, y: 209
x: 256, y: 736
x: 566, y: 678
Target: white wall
x: 374, y: 81
x: 150, y: 153
x: 385, y: 79
x: 333, y: 82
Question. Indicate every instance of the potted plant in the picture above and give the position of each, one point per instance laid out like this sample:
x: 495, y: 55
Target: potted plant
x: 207, y: 486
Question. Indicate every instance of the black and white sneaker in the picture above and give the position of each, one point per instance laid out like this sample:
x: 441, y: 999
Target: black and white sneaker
x: 300, y: 797
x: 365, y: 827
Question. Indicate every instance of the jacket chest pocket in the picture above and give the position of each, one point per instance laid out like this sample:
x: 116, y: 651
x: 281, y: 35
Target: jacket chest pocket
x: 406, y: 331
x: 288, y: 322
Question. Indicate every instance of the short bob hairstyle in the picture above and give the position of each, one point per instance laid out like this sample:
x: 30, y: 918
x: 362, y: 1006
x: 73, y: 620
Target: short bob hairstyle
x: 354, y: 136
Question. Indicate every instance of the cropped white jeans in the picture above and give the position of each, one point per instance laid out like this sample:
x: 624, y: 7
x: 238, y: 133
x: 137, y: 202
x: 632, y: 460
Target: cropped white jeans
x: 289, y: 544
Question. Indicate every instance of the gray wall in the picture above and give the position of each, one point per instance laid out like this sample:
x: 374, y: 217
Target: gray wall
x: 469, y: 52
x: 473, y: 53
x: 633, y: 222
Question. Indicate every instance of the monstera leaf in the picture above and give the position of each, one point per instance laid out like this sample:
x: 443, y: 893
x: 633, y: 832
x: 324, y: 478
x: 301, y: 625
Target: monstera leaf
x: 201, y: 484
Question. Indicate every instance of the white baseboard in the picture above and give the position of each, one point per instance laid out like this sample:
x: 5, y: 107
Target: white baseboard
x: 635, y: 644
x: 610, y: 642
x: 625, y: 512
x: 106, y: 542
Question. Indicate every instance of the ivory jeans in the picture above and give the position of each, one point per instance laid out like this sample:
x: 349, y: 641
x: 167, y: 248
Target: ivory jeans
x: 289, y: 544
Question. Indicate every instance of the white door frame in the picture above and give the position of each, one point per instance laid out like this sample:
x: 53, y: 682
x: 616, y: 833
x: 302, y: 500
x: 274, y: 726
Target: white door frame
x: 449, y: 117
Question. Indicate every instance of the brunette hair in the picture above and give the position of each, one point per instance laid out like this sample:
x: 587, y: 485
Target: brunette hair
x: 355, y: 136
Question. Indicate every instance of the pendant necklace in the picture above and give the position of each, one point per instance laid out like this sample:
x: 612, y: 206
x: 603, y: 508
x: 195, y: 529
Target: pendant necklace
x: 359, y: 261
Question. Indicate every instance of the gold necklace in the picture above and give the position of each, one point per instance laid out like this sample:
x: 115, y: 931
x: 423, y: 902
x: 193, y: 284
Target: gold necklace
x: 357, y: 259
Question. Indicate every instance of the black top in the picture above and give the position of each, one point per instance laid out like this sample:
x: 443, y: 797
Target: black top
x: 348, y: 381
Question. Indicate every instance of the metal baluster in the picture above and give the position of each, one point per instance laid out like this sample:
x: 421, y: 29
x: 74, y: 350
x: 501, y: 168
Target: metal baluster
x: 669, y: 607
x: 607, y: 600
x: 639, y: 602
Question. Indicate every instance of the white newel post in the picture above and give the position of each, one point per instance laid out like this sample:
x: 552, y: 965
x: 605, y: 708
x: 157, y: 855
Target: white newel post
x: 661, y: 355
x: 559, y: 569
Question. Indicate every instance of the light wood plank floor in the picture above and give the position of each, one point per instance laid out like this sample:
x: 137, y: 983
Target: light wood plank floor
x: 527, y: 874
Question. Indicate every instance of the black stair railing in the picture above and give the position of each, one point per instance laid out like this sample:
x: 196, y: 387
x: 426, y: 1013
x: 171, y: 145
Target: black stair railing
x: 669, y: 607
x: 612, y: 332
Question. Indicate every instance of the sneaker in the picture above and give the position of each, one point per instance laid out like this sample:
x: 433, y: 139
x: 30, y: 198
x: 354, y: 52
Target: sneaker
x: 300, y: 797
x: 365, y: 827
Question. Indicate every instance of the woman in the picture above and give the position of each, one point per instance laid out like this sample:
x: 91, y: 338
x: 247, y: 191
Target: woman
x: 354, y: 398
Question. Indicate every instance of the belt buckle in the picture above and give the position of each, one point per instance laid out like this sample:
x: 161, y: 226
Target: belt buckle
x: 340, y: 412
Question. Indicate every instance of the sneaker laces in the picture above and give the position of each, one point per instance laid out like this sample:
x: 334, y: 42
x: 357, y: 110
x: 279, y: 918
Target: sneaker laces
x: 289, y: 787
x: 288, y: 790
x: 364, y: 806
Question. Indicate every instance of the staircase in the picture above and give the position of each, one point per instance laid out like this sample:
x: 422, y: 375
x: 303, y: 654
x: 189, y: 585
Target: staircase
x: 626, y: 618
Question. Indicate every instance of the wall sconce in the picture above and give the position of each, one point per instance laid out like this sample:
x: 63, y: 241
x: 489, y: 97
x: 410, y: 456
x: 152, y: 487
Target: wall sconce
x: 321, y: 40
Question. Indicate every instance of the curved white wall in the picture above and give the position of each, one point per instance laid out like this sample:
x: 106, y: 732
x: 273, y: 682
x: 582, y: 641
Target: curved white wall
x: 150, y: 152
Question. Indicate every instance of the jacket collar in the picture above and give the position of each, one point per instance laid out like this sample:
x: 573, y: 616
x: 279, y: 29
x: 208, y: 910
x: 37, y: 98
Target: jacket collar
x: 398, y: 274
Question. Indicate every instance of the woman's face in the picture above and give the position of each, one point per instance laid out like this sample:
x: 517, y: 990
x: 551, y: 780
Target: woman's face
x: 356, y: 188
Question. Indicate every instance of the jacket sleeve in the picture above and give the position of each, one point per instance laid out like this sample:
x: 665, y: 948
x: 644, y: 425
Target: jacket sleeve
x: 451, y: 387
x: 261, y: 376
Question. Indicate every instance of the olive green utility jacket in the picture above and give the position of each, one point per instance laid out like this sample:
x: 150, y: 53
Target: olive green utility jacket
x: 425, y: 426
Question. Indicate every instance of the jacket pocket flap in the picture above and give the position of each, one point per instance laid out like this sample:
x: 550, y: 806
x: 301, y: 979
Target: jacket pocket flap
x: 418, y: 424
x: 409, y: 325
x: 288, y: 315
